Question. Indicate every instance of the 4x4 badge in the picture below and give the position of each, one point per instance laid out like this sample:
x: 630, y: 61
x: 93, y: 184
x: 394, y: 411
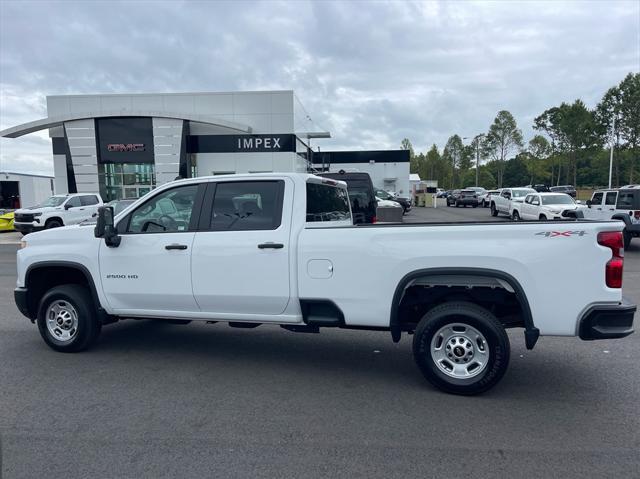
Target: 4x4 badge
x: 552, y: 234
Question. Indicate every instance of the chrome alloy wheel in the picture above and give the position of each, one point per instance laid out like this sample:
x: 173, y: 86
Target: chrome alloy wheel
x: 62, y: 320
x: 460, y: 351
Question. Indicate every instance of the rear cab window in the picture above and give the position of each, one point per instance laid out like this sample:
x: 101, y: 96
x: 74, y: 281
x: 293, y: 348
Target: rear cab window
x: 327, y: 202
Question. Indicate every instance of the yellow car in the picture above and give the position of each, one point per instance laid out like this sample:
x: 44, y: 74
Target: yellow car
x: 6, y: 221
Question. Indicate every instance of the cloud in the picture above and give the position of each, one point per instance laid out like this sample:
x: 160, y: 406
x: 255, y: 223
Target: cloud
x: 371, y: 73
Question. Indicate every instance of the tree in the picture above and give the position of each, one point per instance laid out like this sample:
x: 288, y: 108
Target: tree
x: 535, y: 158
x: 503, y: 138
x: 453, y: 152
x: 573, y: 129
x: 405, y: 144
x: 629, y: 123
x: 433, y: 165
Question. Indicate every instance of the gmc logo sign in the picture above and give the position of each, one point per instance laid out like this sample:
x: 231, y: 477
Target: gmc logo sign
x: 127, y: 147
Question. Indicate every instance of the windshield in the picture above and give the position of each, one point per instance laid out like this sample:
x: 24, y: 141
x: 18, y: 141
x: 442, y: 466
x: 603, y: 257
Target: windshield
x: 557, y: 200
x: 52, y: 201
x: 522, y: 192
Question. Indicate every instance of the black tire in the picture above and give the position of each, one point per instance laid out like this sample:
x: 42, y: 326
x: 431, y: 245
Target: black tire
x: 88, y: 324
x: 494, y: 211
x: 626, y: 236
x: 543, y: 218
x: 457, y: 205
x: 53, y: 223
x: 178, y: 321
x: 515, y: 216
x: 469, y: 315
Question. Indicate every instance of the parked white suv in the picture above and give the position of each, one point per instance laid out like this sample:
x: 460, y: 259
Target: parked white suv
x: 543, y: 206
x: 56, y: 211
x: 621, y: 204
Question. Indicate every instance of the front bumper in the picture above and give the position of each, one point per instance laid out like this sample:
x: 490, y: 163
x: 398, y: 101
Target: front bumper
x: 20, y: 297
x: 25, y: 228
x: 607, y: 321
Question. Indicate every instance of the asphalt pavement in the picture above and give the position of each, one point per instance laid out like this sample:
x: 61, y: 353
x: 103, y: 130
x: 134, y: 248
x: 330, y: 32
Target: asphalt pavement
x: 158, y: 400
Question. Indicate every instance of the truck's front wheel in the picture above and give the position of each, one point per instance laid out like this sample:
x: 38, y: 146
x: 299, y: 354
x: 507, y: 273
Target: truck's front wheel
x: 67, y: 319
x: 461, y: 348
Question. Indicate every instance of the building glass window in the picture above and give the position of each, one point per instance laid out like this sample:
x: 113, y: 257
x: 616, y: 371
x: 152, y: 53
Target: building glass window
x: 125, y: 180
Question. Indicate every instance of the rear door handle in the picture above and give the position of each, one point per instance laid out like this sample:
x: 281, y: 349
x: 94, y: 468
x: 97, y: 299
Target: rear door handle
x: 271, y: 245
x: 176, y: 246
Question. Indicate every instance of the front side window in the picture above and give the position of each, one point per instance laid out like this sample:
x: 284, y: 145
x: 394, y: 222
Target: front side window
x: 247, y: 205
x: 327, y: 203
x: 596, y: 199
x: 73, y: 202
x: 167, y: 212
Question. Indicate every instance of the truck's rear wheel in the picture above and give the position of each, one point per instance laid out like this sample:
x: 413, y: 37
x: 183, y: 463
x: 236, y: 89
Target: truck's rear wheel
x: 515, y: 216
x: 461, y: 348
x: 67, y: 319
x: 494, y: 211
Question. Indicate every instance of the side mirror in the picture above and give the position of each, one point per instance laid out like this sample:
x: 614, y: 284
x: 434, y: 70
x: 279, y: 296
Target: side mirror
x: 589, y: 203
x: 67, y: 206
x: 105, y: 227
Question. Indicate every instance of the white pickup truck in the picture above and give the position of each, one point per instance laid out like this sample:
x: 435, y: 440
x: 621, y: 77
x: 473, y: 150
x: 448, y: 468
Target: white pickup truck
x: 503, y: 203
x: 281, y: 249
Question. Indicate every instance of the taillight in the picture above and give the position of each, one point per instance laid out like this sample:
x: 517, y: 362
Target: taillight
x: 374, y: 220
x: 636, y: 214
x: 613, y: 270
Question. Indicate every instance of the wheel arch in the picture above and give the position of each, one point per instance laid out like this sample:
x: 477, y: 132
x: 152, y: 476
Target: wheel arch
x: 622, y: 217
x: 531, y: 332
x: 54, y: 218
x: 38, y: 281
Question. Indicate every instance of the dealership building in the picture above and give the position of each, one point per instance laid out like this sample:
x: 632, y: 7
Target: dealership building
x: 124, y: 145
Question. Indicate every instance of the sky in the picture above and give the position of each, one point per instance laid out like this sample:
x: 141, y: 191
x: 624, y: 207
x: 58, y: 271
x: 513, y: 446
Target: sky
x: 371, y: 73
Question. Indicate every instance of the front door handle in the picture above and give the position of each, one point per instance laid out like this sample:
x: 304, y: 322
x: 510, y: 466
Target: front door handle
x: 271, y: 245
x: 176, y: 246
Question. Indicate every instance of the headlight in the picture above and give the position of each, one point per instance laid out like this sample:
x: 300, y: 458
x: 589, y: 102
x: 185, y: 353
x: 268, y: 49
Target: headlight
x: 23, y: 244
x: 37, y: 214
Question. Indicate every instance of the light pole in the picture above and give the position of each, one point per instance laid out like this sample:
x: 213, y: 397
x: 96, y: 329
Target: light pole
x: 613, y: 135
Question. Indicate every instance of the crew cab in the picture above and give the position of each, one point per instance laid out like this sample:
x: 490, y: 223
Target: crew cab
x: 56, y: 211
x: 543, y: 206
x: 503, y: 202
x: 617, y: 204
x: 281, y: 249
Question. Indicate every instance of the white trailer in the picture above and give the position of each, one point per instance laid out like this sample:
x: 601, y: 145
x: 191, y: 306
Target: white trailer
x: 20, y: 190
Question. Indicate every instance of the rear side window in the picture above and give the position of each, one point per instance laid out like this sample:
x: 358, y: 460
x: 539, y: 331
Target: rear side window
x: 596, y: 199
x: 247, y: 205
x: 89, y: 200
x: 611, y: 197
x: 327, y: 203
x: 626, y: 199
